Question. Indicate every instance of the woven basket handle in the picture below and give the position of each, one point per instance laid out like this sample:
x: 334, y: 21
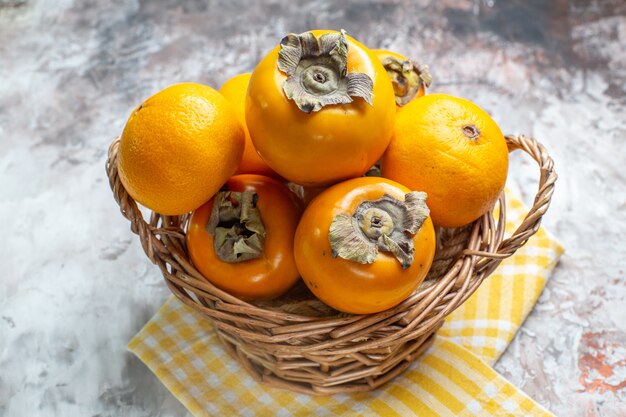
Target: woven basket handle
x: 547, y: 178
x: 532, y: 221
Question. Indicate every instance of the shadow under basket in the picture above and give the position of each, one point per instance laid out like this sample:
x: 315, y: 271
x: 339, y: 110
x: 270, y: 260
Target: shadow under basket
x: 299, y: 343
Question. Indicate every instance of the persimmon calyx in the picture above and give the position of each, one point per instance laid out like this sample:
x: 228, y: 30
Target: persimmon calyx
x: 386, y: 224
x: 316, y: 71
x: 406, y: 77
x: 236, y: 226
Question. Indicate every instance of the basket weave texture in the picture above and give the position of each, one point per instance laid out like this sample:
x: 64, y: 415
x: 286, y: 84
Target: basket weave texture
x: 300, y: 344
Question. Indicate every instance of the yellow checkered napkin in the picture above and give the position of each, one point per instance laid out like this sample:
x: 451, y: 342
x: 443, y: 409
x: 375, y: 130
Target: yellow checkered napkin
x: 486, y: 323
x: 453, y: 378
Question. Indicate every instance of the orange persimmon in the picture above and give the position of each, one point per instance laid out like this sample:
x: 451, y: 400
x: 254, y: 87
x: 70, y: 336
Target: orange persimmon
x: 364, y: 245
x: 320, y: 108
x: 409, y: 79
x: 242, y: 239
x: 234, y: 90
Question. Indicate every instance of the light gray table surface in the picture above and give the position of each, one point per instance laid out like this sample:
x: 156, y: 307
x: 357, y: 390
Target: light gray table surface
x: 75, y: 284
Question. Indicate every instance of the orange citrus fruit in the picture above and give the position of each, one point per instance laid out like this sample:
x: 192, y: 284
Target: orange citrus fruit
x: 235, y: 92
x: 454, y: 151
x: 179, y: 147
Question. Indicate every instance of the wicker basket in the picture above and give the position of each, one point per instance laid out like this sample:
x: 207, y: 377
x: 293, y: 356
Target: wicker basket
x: 300, y: 344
